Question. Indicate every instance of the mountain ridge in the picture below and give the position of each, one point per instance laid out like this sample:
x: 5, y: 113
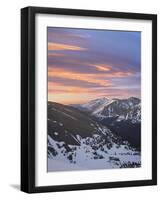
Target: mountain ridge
x: 122, y: 109
x: 121, y: 116
x: 78, y: 141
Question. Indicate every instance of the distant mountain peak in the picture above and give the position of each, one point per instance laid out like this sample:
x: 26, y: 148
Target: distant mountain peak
x: 96, y: 105
x: 122, y: 109
x: 99, y: 99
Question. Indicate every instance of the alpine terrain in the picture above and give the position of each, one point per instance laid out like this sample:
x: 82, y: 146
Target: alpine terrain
x: 101, y: 134
x: 122, y: 116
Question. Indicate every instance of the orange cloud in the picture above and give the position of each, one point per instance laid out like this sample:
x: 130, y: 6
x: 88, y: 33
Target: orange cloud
x: 58, y: 46
x: 122, y: 74
x: 90, y: 78
x: 70, y: 98
x: 59, y: 92
x: 56, y: 54
x: 101, y: 67
x: 96, y: 78
x: 60, y: 88
x: 52, y: 86
x: 76, y: 94
x: 68, y: 95
x: 64, y: 89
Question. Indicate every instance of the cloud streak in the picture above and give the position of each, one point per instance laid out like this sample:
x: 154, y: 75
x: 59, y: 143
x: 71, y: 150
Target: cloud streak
x: 58, y: 46
x: 90, y: 78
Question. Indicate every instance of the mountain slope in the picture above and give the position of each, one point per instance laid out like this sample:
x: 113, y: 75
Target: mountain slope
x: 97, y: 105
x: 121, y: 116
x: 121, y: 109
x: 77, y: 141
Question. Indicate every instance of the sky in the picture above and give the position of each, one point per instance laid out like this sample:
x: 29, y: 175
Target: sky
x: 87, y: 64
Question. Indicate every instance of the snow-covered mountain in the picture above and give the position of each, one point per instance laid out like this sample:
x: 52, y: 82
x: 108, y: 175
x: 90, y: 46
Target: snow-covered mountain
x: 121, y: 116
x: 120, y: 109
x: 78, y: 141
x: 97, y: 105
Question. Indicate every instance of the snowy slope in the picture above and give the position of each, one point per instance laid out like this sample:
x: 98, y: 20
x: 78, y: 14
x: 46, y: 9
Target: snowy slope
x: 85, y: 156
x: 123, y: 109
x: 76, y: 141
x: 96, y: 105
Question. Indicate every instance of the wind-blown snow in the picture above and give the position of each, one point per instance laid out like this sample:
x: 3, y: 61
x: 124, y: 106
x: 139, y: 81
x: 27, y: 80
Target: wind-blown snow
x: 85, y: 157
x: 96, y: 105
